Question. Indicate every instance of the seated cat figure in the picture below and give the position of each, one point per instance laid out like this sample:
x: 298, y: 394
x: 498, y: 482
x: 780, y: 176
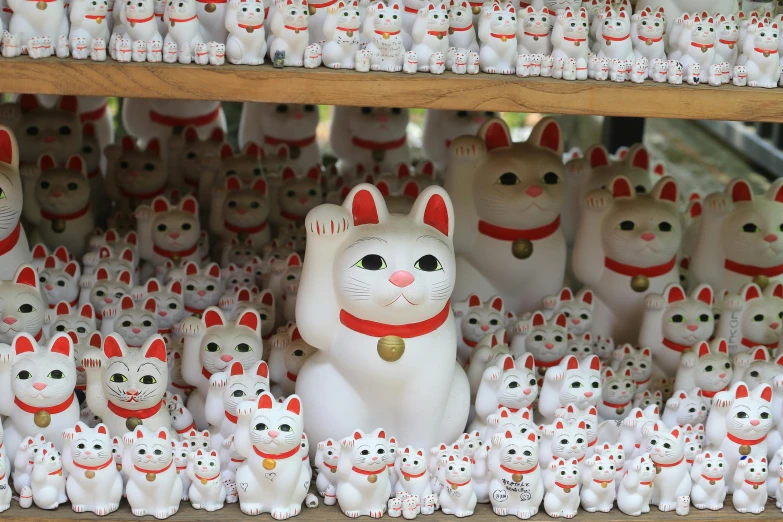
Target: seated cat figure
x: 14, y: 248
x: 508, y: 198
x: 399, y: 328
x: 168, y: 232
x: 626, y: 247
x: 738, y: 240
x: 22, y: 305
x: 751, y: 318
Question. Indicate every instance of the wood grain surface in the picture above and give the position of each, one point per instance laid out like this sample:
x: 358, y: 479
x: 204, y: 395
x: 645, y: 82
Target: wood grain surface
x: 422, y: 90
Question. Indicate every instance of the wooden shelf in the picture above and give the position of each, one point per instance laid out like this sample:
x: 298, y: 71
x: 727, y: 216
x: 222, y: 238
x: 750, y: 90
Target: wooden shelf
x: 422, y: 90
x: 323, y: 513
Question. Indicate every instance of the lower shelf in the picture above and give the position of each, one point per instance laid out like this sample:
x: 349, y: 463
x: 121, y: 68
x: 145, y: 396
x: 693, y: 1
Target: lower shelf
x: 422, y: 90
x: 332, y: 513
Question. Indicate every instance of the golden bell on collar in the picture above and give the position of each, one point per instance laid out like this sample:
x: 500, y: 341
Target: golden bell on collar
x: 210, y: 8
x: 150, y: 477
x: 640, y: 283
x: 476, y: 9
x: 517, y: 477
x: 42, y: 418
x: 522, y: 248
x: 41, y: 6
x: 58, y: 226
x: 391, y: 348
x: 132, y: 423
x: 312, y: 9
x: 269, y: 464
x: 762, y: 281
x: 89, y: 474
x: 372, y: 479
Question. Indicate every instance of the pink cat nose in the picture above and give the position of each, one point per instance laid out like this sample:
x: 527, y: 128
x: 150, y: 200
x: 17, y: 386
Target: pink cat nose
x: 527, y: 391
x: 297, y: 115
x: 722, y: 376
x: 87, y: 452
x: 755, y: 422
x: 49, y: 139
x: 202, y: 293
x: 49, y: 287
x: 692, y: 327
x: 132, y: 391
x: 56, y: 194
x: 401, y: 278
x: 774, y: 325
x: 302, y: 200
x: 9, y: 320
x: 163, y: 313
x: 549, y: 346
x: 647, y: 236
x: 534, y: 191
x: 770, y: 238
x: 107, y: 299
x: 375, y: 458
x: 576, y: 321
x: 588, y: 394
x: 242, y: 211
x: 174, y: 235
x: 484, y: 327
x: 136, y: 330
x: 382, y: 117
x: 41, y: 385
x: 274, y: 433
x: 226, y: 358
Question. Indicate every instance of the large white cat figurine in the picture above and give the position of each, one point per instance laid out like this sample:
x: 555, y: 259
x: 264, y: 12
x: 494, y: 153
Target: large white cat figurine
x: 14, y: 248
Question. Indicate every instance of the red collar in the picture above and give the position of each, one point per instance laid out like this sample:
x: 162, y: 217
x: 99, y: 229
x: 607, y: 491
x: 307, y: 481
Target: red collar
x: 333, y: 468
x: 185, y: 430
x: 95, y: 468
x: 764, y: 51
x: 59, y: 408
x: 544, y: 364
x: 291, y: 217
x: 93, y: 17
x: 202, y: 479
x: 181, y: 468
x: 757, y: 484
x: 344, y: 29
x: 148, y: 471
x: 512, y: 234
x: 279, y: 456
x: 321, y: 6
x: 173, y: 253
x: 750, y: 344
x: 642, y: 38
x: 249, y: 230
x: 232, y: 418
x: 72, y: 303
x: 674, y: 346
x: 10, y: 242
x: 297, y: 29
x: 234, y: 459
x: 125, y: 413
x: 644, y: 381
x: 468, y: 342
x: 711, y: 394
x: 592, y: 443
x: 144, y: 195
x: 459, y: 29
x: 542, y: 35
x: 455, y: 485
x: 56, y: 472
x: 291, y: 377
x: 512, y: 410
x: 410, y: 476
x: 198, y: 311
x: 702, y: 46
x: 196, y: 121
x: 180, y: 20
x: 745, y: 442
x: 615, y: 38
x: 406, y: 331
x: 523, y: 472
x: 66, y: 217
x: 98, y: 113
x: 610, y: 405
x: 501, y: 36
x: 603, y: 481
x: 270, y: 140
x: 569, y: 39
x: 94, y: 173
x: 163, y: 331
x: 437, y: 33
x: 142, y: 20
x: 379, y: 145
x: 367, y: 472
x: 631, y: 271
x: 753, y: 271
x: 246, y: 26
x: 668, y: 465
x: 565, y: 486
x: 728, y: 42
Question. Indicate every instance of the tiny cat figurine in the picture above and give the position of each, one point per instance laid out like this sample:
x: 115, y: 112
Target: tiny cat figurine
x: 709, y: 484
x: 135, y: 176
x: 38, y: 384
x: 207, y: 490
x: 645, y: 398
x: 498, y: 35
x: 107, y: 290
x: 570, y: 382
x: 619, y: 276
x: 598, y: 489
x: 296, y: 196
x: 762, y: 60
x: 528, y: 246
x: 47, y: 479
x: 430, y: 34
x: 458, y: 497
x: 647, y: 37
x: 618, y: 388
x: 511, y: 384
x: 578, y: 309
x: 60, y: 283
x: 5, y: 488
x: 125, y: 386
x: 290, y: 23
x: 169, y: 303
x: 341, y: 28
x: 562, y: 440
x: 201, y: 287
x: 266, y: 447
x: 638, y: 360
x: 668, y: 455
x: 181, y: 451
x: 140, y: 23
x: 94, y: 483
x: 707, y: 367
x: 512, y: 461
x: 673, y: 322
x: 246, y: 44
x: 360, y: 459
x: 23, y: 308
x: 562, y: 489
x: 134, y: 322
x: 750, y: 485
x: 570, y: 37
x: 546, y: 340
x: 636, y: 487
x: 475, y: 320
x: 412, y: 475
x: 735, y: 243
x: 154, y: 487
x: 185, y: 28
x: 326, y: 459
x: 489, y: 349
x: 533, y: 32
x: 211, y: 345
x: 751, y: 318
x: 168, y: 232
x: 241, y: 212
x: 686, y: 408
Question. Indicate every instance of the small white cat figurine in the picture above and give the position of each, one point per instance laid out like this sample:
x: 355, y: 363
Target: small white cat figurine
x: 341, y: 28
x: 750, y: 485
x: 430, y: 34
x: 513, y: 467
x: 562, y: 489
x: 289, y: 26
x: 707, y: 367
x: 458, y: 497
x: 47, y: 479
x: 246, y: 44
x: 709, y: 484
x: 385, y: 39
x: 668, y: 455
x: 598, y: 489
x: 636, y: 487
x: 498, y: 54
x: 207, y: 490
x: 154, y: 486
x: 762, y: 61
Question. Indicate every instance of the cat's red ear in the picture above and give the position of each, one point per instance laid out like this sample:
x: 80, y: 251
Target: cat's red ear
x: 294, y: 405
x: 674, y: 293
x: 572, y: 363
x: 160, y: 204
x: 547, y: 135
x: 437, y: 212
x: 112, y: 346
x: 294, y: 260
x: 156, y: 349
x: 474, y: 301
x: 366, y: 205
x: 189, y: 204
x: 704, y: 294
x: 76, y: 163
x: 153, y: 146
x: 265, y: 401
x: 537, y: 319
x: 213, y: 317
x: 126, y: 303
x: 532, y: 437
x: 495, y: 134
x: 250, y: 319
x: 191, y: 268
x: 213, y: 269
x: 638, y: 157
x: 508, y: 363
x: 128, y: 144
x: 62, y: 308
x: 95, y: 340
x: 739, y: 190
x: 25, y: 275
x: 598, y: 156
x: 263, y: 370
x: 742, y: 391
x: 566, y: 294
x: 69, y: 104
x: 621, y: 188
x: 528, y: 361
x: 150, y: 305
x: 561, y: 320
x: 666, y: 190
x: 23, y: 343
x: 237, y: 369
x: 125, y: 277
x: 766, y: 392
x: 595, y: 363
x: 227, y: 152
x: 163, y: 434
x: 28, y: 102
x: 267, y: 298
x: 153, y: 285
x: 750, y: 291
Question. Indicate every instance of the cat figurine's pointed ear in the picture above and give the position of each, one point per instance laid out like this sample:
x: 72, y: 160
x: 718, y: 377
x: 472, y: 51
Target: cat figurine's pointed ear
x: 704, y: 294
x: 294, y: 404
x: 548, y: 135
x: 494, y: 131
x: 496, y: 303
x: 598, y: 156
x: 62, y: 344
x: 366, y: 205
x: 76, y: 163
x: 267, y: 298
x: 262, y: 370
x: 621, y: 188
x: 25, y: 275
x: 433, y: 208
x: 666, y: 190
x: 673, y: 293
x: 9, y: 148
x: 638, y: 157
x: 24, y: 343
x: 739, y: 190
x: 750, y: 291
x: 155, y: 348
x: 213, y: 316
x: 69, y: 104
x: 250, y: 319
x: 763, y: 392
x: 114, y: 346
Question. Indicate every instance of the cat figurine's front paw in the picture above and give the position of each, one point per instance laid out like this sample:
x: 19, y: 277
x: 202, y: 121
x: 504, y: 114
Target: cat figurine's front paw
x: 328, y: 220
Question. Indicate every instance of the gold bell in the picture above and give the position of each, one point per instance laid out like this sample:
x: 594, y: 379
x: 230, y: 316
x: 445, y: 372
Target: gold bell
x: 731, y: 46
x: 476, y: 9
x: 640, y: 283
x: 349, y: 33
x: 42, y: 418
x: 608, y: 42
x: 541, y: 370
x: 756, y: 486
x: 242, y: 236
x: 407, y: 478
x: 576, y: 44
x: 566, y: 490
x: 521, y: 248
x: 312, y: 9
x: 269, y: 464
x: 210, y: 8
x: 99, y: 20
x: 744, y: 450
x: 41, y: 6
x: 378, y: 155
x: 535, y: 39
x: 133, y: 24
x: 89, y: 474
x: 517, y: 477
x: 151, y: 477
x: 372, y: 479
x: 704, y: 49
x: 503, y: 38
x: 451, y: 31
x: 648, y: 42
x: 132, y: 423
x: 440, y: 36
x: 176, y: 259
x: 294, y: 152
x: 172, y: 25
x: 657, y: 469
x: 391, y: 348
x: 249, y: 29
x: 454, y: 486
x: 620, y: 410
x: 762, y: 281
x: 712, y: 482
x: 119, y: 467
x: 204, y: 481
x: 58, y: 226
x: 603, y: 485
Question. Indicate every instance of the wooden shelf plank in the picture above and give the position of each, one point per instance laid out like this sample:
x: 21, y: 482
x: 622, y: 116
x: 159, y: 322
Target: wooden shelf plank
x: 323, y: 513
x: 423, y: 90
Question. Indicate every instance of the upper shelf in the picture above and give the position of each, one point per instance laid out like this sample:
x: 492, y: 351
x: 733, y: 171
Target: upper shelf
x: 422, y: 90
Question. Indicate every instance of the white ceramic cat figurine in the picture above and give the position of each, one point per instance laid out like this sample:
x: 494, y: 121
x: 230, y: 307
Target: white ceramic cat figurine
x: 727, y: 44
x: 289, y: 26
x: 268, y: 436
x: 498, y: 54
x: 87, y: 24
x: 516, y: 486
x: 207, y: 490
x: 578, y: 309
x: 562, y: 489
x: 326, y: 458
x: 140, y: 22
x: 241, y: 212
x: 23, y: 461
x: 533, y: 32
x: 638, y: 360
x: 23, y: 307
x: 47, y: 479
x: 462, y: 35
x: 546, y: 340
x: 201, y: 287
x: 28, y: 22
x: 614, y: 38
x: 762, y: 61
x: 5, y: 489
x: 475, y: 320
x: 168, y: 232
x: 737, y: 241
x: 94, y: 483
x: 212, y: 344
x: 246, y: 43
x: 511, y: 384
x: 185, y: 28
x: 125, y: 386
x: 373, y: 139
x: 668, y: 455
x: 673, y: 322
x: 617, y: 388
x: 598, y: 489
x: 411, y: 471
x: 60, y: 283
x: 570, y: 37
x: 134, y: 322
x: 15, y: 249
x: 752, y: 318
x: 385, y: 38
x: 528, y: 247
x: 647, y: 37
x: 135, y: 176
x: 709, y: 484
x: 154, y: 487
x: 562, y: 440
x: 686, y: 407
x: 570, y: 382
x: 327, y: 320
x: 430, y: 34
x: 168, y: 300
x: 341, y: 28
x: 750, y: 485
x: 621, y: 277
x: 458, y: 497
x: 707, y: 367
x: 636, y: 487
x: 38, y: 384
